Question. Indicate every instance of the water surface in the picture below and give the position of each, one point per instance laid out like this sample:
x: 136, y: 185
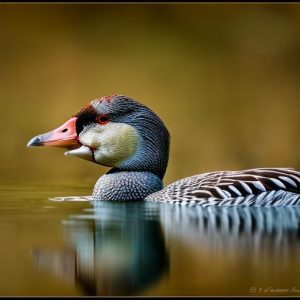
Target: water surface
x: 72, y: 246
x: 225, y: 81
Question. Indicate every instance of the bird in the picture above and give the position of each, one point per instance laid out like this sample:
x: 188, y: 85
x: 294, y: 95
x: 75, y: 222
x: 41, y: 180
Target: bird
x: 122, y: 133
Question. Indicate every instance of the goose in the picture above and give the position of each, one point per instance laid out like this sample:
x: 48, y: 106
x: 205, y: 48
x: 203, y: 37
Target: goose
x: 123, y: 134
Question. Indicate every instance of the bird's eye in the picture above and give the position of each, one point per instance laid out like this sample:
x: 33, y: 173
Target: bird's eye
x: 102, y: 119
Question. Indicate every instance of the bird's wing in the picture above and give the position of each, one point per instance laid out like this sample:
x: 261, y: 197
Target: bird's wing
x: 232, y: 184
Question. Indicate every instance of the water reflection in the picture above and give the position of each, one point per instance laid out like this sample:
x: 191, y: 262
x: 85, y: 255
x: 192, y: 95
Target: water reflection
x: 120, y: 248
x: 236, y: 227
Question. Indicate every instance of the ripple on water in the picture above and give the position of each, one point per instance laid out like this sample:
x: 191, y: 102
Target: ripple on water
x: 72, y: 198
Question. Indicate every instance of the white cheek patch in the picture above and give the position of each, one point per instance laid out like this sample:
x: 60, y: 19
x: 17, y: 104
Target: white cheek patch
x: 112, y: 143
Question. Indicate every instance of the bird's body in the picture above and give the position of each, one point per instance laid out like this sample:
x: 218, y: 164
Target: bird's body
x: 121, y: 133
x: 255, y: 187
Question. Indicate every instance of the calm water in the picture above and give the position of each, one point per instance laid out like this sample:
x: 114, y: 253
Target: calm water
x: 223, y: 78
x: 71, y: 246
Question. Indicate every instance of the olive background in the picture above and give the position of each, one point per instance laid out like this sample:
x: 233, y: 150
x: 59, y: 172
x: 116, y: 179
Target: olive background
x: 223, y: 77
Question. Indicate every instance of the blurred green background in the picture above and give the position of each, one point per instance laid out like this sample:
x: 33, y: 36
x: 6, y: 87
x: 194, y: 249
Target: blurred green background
x: 223, y: 77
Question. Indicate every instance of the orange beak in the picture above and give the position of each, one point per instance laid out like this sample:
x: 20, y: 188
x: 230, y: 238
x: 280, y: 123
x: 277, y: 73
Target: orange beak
x: 63, y: 136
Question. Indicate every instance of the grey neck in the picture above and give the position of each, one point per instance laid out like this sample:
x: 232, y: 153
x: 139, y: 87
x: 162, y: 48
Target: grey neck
x: 153, y: 151
x: 126, y: 185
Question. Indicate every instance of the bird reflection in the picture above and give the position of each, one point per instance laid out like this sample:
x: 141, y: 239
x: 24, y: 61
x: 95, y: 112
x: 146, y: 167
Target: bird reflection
x: 119, y: 249
x: 235, y: 227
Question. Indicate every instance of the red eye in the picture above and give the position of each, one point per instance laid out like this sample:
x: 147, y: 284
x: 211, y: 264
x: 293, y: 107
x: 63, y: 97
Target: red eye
x: 102, y: 119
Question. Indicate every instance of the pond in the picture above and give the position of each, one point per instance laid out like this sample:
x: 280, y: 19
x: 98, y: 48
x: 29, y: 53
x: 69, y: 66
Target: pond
x: 225, y: 81
x: 53, y: 245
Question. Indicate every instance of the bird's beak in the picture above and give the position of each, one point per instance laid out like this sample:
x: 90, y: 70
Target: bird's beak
x: 63, y: 136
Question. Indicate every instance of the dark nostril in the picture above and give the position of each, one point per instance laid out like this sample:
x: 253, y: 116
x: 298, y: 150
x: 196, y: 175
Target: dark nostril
x: 65, y: 130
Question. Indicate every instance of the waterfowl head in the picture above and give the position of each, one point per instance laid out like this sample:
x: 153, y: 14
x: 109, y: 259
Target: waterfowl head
x: 114, y: 131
